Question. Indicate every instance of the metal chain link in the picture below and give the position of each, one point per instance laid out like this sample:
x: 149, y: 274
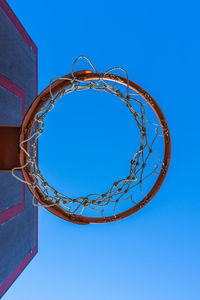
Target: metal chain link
x: 121, y: 190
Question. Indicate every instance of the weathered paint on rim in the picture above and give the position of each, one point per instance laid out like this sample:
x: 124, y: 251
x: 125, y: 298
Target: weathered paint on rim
x: 29, y: 121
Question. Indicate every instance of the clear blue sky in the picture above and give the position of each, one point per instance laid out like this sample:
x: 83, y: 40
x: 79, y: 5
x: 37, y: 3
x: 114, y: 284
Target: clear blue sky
x: 153, y: 254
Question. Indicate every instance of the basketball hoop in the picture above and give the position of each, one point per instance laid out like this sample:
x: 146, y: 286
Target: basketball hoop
x: 75, y: 209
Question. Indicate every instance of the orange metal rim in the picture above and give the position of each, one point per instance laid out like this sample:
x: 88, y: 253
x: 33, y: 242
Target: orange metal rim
x: 29, y: 121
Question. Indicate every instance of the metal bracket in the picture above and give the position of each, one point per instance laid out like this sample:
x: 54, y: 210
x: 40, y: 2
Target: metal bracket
x: 9, y: 147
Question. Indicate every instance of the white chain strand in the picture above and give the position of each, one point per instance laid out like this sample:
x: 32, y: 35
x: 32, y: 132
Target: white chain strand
x: 121, y: 190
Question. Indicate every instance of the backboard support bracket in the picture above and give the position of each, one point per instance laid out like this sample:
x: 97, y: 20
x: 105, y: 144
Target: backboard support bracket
x: 9, y: 149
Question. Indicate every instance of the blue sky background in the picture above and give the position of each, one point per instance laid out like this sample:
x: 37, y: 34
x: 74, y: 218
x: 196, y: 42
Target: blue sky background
x: 153, y: 254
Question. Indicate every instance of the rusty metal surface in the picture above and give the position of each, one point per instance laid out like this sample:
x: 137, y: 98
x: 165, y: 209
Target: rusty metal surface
x: 9, y: 147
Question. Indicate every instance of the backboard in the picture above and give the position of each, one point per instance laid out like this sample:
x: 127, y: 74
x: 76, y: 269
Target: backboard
x: 18, y: 88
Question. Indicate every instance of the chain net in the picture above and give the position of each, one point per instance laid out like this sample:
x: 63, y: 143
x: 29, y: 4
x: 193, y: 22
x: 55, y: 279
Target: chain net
x: 145, y: 164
